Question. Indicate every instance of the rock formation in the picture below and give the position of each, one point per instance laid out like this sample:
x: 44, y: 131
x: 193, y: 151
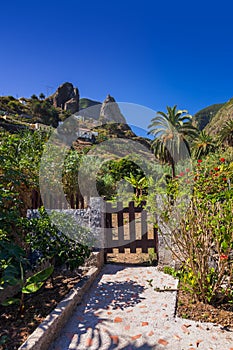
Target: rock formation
x: 66, y: 97
x: 110, y: 111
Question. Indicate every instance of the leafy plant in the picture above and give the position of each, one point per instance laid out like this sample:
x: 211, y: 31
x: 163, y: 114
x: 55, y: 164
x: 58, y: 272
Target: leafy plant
x: 28, y: 286
x: 44, y: 237
x: 152, y: 256
x: 201, y: 232
x: 11, y: 257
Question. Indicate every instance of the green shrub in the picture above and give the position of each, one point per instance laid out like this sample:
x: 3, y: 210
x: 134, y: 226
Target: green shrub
x: 44, y: 237
x: 201, y: 227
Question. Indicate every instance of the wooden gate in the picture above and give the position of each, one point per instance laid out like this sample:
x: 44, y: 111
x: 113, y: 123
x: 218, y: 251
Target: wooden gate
x: 128, y: 228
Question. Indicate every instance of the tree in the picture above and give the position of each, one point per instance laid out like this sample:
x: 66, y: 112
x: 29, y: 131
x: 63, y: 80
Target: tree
x: 42, y: 96
x: 203, y: 145
x: 34, y: 97
x: 36, y: 108
x: 226, y: 134
x: 171, y: 131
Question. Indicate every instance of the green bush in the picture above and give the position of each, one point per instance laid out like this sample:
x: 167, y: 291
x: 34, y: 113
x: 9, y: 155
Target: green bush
x: 44, y: 237
x: 201, y: 226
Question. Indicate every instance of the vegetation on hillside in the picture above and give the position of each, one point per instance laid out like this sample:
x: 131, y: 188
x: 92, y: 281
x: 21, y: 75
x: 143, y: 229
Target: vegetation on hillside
x: 203, y: 117
x: 86, y: 102
x: 224, y: 115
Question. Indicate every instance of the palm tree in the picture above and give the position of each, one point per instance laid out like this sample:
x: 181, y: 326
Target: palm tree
x: 226, y: 134
x: 172, y: 131
x: 42, y: 96
x: 203, y: 144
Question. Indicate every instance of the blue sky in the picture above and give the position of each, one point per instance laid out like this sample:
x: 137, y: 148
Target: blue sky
x: 150, y: 53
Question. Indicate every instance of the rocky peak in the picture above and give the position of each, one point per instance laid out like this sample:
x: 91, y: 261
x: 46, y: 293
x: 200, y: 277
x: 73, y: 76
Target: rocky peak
x: 66, y: 97
x: 110, y: 111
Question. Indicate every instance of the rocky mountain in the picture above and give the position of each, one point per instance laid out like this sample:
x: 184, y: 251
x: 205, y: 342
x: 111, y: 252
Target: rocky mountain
x: 39, y: 112
x: 20, y: 113
x: 66, y: 97
x: 204, y: 116
x: 224, y: 114
x: 110, y: 111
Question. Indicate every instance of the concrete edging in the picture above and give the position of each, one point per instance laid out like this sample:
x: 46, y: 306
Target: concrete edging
x: 50, y: 328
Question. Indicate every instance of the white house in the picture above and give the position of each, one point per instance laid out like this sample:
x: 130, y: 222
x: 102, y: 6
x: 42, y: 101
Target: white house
x: 87, y: 134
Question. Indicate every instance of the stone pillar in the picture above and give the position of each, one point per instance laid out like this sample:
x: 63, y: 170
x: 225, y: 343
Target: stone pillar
x: 164, y: 242
x: 97, y: 222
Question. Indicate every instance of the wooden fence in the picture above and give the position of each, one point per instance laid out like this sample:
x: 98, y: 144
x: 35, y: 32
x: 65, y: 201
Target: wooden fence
x: 75, y: 201
x: 124, y: 227
x: 128, y: 228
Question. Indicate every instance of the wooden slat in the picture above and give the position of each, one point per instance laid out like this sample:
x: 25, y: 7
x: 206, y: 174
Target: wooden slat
x: 132, y: 229
x: 156, y: 238
x: 108, y: 225
x: 33, y: 205
x: 138, y: 244
x: 72, y: 201
x: 120, y: 224
x: 144, y: 231
x: 82, y: 203
x: 77, y: 201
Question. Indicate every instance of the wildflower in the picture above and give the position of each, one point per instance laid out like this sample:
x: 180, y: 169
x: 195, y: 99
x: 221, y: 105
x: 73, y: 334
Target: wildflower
x: 182, y: 173
x: 216, y: 169
x: 223, y: 257
x: 222, y: 160
x: 199, y: 160
x: 187, y: 170
x: 224, y: 179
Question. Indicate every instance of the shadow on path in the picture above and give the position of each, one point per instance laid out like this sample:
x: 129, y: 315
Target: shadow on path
x: 105, y: 296
x: 93, y: 321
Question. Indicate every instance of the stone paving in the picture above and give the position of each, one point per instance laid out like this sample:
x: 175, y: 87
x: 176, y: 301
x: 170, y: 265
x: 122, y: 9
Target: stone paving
x: 133, y: 308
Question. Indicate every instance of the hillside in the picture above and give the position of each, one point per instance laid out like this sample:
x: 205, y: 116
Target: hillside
x: 204, y: 116
x: 43, y: 113
x: 20, y: 113
x: 224, y: 114
x: 86, y: 102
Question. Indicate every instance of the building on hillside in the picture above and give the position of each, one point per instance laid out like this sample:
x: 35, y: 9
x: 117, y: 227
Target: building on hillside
x: 86, y: 135
x: 39, y: 126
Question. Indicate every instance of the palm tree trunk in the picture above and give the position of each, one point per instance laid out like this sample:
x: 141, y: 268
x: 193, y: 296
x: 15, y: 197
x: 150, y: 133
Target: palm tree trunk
x: 173, y: 168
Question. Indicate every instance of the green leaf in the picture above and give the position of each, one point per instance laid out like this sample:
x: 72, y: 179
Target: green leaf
x: 32, y: 288
x: 10, y: 301
x: 224, y: 245
x: 35, y: 282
